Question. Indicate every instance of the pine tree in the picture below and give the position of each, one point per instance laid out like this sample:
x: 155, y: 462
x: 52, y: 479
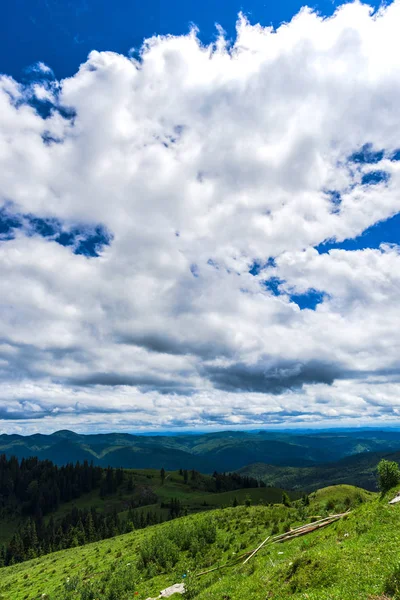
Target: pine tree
x: 89, y: 527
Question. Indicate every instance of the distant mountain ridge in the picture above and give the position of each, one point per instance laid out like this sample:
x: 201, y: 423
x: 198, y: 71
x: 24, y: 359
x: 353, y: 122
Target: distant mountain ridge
x: 206, y: 452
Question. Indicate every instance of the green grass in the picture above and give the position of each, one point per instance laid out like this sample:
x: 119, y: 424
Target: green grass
x: 346, y: 495
x: 354, y: 559
x: 351, y: 560
x: 256, y: 496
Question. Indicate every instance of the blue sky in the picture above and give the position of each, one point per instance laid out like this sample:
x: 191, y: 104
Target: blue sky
x: 203, y: 233
x: 61, y: 33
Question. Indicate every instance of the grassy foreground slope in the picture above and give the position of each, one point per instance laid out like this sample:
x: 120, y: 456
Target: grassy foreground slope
x: 356, y: 558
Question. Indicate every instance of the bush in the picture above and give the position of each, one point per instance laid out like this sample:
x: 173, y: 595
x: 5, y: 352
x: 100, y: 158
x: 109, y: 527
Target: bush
x: 162, y: 550
x: 392, y: 585
x: 193, y: 536
x: 159, y: 551
x: 275, y: 528
x: 330, y: 505
x: 347, y: 502
x: 388, y: 475
x: 117, y: 583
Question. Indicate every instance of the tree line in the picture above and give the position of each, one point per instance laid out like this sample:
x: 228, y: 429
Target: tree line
x: 78, y: 527
x: 220, y: 482
x: 227, y: 482
x: 37, y: 487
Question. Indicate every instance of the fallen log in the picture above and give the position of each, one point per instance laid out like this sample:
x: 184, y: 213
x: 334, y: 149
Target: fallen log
x: 256, y: 550
x: 297, y: 534
x: 329, y: 519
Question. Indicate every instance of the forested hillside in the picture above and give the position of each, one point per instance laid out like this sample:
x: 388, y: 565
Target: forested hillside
x: 44, y: 507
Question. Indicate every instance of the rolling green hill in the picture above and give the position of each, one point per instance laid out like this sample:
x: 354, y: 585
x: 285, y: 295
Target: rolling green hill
x: 221, y: 451
x: 355, y: 558
x: 193, y: 496
x: 326, y: 499
x: 143, y: 492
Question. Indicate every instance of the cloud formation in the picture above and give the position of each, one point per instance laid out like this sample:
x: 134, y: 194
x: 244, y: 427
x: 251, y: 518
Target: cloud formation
x: 147, y: 204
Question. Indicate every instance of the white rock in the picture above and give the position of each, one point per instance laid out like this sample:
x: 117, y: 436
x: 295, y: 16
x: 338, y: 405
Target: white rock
x: 178, y: 588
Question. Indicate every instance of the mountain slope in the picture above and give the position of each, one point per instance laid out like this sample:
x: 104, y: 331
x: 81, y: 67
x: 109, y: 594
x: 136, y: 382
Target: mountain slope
x: 353, y: 559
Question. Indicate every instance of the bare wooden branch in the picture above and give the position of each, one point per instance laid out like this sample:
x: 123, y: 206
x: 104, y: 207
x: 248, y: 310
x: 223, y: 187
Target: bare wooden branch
x: 303, y: 531
x: 257, y: 549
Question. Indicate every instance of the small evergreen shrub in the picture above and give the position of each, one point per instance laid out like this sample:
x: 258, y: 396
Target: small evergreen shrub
x: 117, y: 583
x: 388, y: 475
x: 161, y: 551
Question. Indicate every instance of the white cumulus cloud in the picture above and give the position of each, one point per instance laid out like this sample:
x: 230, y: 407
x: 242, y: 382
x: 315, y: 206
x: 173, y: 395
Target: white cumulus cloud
x: 200, y: 162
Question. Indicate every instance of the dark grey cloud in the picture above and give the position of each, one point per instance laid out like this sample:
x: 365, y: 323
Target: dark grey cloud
x: 167, y: 344
x: 145, y: 383
x: 29, y: 361
x: 32, y: 409
x: 162, y: 344
x: 389, y: 374
x: 21, y: 415
x: 241, y: 377
x: 24, y: 409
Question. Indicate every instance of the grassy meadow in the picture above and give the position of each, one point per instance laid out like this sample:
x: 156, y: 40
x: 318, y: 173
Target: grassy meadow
x: 356, y: 558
